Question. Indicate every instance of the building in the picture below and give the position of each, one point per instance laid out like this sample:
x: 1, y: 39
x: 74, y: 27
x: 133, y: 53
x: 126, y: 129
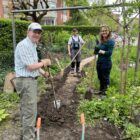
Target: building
x: 52, y: 17
x: 5, y: 8
x: 62, y: 16
x: 1, y: 9
x: 56, y: 17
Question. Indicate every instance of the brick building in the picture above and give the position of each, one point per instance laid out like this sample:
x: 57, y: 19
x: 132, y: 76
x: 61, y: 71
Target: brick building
x: 52, y: 17
x: 62, y: 16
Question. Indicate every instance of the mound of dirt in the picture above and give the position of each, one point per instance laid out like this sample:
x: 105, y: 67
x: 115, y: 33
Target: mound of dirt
x: 62, y: 124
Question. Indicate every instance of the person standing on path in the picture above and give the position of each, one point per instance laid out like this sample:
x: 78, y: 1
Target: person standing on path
x: 104, y: 50
x: 74, y: 44
x: 27, y: 69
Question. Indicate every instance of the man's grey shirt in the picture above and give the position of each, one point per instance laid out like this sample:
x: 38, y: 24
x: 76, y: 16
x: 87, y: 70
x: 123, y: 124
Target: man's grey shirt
x: 25, y: 54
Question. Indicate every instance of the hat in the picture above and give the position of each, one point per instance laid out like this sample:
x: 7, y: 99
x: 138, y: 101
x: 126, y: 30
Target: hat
x: 34, y: 26
x: 74, y: 30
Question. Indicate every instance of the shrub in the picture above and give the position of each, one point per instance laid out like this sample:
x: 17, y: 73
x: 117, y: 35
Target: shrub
x: 54, y: 39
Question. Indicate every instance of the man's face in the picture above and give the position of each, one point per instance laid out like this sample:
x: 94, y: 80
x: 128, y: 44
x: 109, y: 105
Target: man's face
x: 34, y: 35
x: 75, y: 33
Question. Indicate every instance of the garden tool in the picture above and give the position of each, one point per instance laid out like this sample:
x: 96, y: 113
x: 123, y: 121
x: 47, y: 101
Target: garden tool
x: 90, y: 91
x: 76, y: 55
x: 57, y: 61
x: 38, y: 126
x: 62, y: 70
x: 82, y: 119
x: 66, y: 70
x: 57, y: 103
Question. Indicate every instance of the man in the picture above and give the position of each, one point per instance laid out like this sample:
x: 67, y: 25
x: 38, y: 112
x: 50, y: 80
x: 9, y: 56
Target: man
x: 27, y: 70
x: 74, y: 45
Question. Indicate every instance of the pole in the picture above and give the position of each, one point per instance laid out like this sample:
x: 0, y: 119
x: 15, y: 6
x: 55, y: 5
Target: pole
x: 13, y: 31
x: 74, y: 8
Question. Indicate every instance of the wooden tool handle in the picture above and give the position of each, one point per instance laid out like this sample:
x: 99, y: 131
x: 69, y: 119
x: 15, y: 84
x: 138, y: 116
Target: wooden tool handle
x: 82, y: 118
x: 38, y: 124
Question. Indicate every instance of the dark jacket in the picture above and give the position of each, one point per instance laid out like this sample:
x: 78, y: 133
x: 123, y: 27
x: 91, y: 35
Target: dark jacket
x: 108, y: 47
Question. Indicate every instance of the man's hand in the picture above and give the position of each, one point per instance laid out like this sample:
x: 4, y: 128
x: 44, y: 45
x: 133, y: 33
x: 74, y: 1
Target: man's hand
x: 101, y: 52
x: 69, y: 53
x: 46, y: 62
x: 46, y: 75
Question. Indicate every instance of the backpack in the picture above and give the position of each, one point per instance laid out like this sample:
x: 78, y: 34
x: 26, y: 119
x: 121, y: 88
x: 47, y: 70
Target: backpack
x: 75, y: 44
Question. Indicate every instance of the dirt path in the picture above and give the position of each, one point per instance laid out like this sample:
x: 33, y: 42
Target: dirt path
x: 62, y: 124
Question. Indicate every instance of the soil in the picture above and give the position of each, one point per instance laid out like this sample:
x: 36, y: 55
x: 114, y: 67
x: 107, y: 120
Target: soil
x: 62, y: 123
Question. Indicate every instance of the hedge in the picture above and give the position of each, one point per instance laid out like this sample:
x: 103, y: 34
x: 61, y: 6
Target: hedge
x: 6, y: 41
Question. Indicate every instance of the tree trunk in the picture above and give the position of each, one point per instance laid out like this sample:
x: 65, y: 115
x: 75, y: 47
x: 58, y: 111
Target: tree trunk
x: 138, y: 52
x: 126, y: 62
x: 122, y: 51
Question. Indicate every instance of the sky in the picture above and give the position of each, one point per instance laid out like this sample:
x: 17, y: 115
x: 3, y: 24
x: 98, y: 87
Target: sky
x: 111, y: 2
x: 108, y: 1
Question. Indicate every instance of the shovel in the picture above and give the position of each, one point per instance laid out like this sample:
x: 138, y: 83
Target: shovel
x: 57, y: 103
x: 82, y: 119
x: 38, y: 126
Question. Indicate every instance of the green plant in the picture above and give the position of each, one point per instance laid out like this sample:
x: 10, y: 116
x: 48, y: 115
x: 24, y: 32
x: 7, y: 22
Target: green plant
x: 119, y: 109
x: 41, y: 85
x: 3, y: 114
x: 8, y: 100
x: 131, y: 131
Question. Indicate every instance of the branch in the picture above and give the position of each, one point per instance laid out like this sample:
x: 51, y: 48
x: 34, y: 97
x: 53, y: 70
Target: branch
x: 112, y: 18
x: 29, y: 4
x: 23, y: 5
x: 44, y: 12
x: 46, y: 3
x: 35, y: 3
x: 131, y: 21
x: 101, y: 11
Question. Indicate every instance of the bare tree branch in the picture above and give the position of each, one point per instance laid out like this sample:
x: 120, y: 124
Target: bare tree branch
x: 26, y: 4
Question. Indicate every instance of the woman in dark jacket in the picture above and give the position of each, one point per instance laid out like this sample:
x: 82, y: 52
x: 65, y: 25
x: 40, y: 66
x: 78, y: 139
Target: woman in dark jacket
x: 104, y: 64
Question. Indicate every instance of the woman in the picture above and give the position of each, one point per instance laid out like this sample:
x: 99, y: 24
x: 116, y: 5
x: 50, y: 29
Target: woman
x: 104, y: 64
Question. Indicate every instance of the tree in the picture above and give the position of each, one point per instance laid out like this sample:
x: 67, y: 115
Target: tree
x: 127, y: 33
x: 31, y: 4
x: 77, y: 16
x: 100, y: 16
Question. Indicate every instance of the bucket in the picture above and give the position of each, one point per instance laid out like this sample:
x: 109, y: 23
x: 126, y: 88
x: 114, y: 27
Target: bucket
x: 57, y: 104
